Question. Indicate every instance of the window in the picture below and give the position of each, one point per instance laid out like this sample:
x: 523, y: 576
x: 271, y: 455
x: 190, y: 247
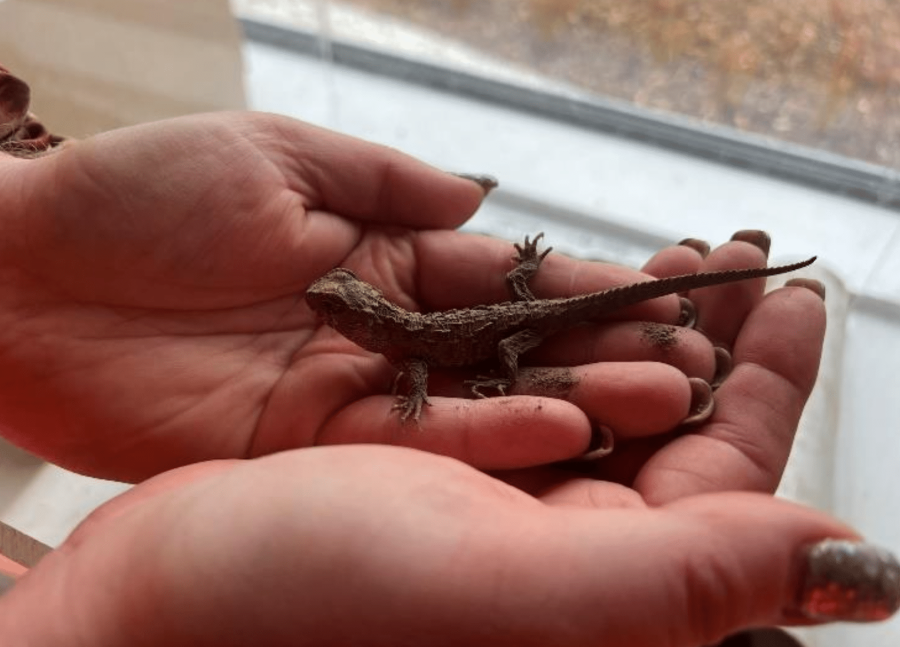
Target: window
x: 808, y: 90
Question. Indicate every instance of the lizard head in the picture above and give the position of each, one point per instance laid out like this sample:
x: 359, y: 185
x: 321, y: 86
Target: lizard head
x: 347, y: 303
x: 354, y: 308
x: 334, y: 294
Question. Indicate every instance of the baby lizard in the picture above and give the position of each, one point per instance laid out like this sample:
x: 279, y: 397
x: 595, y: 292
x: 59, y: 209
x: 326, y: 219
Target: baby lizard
x: 413, y: 341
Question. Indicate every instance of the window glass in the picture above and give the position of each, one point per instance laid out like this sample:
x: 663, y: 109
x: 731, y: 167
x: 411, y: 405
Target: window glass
x: 821, y: 73
x: 824, y: 73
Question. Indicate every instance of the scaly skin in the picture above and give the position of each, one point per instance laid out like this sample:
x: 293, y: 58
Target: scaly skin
x: 413, y: 342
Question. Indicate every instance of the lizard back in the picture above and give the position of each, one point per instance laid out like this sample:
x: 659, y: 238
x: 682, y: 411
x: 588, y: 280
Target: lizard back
x: 465, y: 336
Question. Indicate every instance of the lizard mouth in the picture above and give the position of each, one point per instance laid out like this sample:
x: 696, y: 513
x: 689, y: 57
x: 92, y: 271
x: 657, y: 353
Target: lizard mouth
x: 320, y: 309
x: 324, y: 306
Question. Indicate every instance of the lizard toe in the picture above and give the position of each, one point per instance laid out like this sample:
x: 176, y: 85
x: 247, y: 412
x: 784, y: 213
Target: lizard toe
x: 498, y: 383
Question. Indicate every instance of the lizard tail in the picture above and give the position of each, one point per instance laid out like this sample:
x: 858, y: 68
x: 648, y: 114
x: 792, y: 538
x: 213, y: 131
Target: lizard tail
x: 600, y: 303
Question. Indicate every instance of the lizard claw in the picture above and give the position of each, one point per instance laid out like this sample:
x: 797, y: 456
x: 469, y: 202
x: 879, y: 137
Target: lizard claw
x: 396, y: 385
x: 499, y: 383
x: 410, y: 405
x: 527, y: 252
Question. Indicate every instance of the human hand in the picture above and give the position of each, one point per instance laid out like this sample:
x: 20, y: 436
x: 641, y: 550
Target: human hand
x: 152, y: 302
x: 154, y: 315
x: 772, y: 343
x: 775, y: 341
x: 374, y: 545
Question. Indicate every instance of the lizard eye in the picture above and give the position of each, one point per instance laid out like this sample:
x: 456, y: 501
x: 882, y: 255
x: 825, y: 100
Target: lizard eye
x: 317, y: 299
x: 332, y: 294
x: 342, y: 274
x: 325, y: 298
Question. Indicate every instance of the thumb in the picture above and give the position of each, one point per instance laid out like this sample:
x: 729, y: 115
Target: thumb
x: 695, y: 571
x: 358, y: 179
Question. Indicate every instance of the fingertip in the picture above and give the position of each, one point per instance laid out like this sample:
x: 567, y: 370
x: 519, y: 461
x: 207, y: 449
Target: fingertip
x: 359, y: 179
x: 785, y: 334
x: 411, y: 193
x: 814, y: 285
x: 756, y: 237
x: 760, y: 548
x: 485, y: 182
x: 737, y: 559
x: 674, y: 260
x: 635, y: 399
x: 698, y: 245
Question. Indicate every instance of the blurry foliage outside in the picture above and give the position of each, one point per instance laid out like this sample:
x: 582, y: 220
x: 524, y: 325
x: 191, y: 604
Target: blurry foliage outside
x: 822, y: 73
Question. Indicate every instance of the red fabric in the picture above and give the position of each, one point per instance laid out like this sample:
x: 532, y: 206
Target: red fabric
x: 21, y: 133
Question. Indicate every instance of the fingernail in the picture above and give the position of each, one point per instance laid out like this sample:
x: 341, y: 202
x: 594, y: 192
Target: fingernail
x: 688, y: 316
x: 602, y: 443
x: 698, y: 245
x: 724, y: 366
x: 849, y: 581
x: 810, y: 284
x: 755, y: 237
x: 702, y: 402
x: 487, y: 182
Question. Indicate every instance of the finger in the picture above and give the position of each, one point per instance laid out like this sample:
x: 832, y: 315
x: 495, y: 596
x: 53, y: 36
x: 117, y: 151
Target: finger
x: 701, y: 569
x: 674, y: 260
x: 632, y: 399
x: 637, y: 341
x: 358, y: 179
x: 721, y: 310
x: 746, y: 443
x: 499, y: 433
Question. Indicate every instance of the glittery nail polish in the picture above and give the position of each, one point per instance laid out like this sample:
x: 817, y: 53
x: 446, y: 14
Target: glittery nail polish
x: 849, y: 581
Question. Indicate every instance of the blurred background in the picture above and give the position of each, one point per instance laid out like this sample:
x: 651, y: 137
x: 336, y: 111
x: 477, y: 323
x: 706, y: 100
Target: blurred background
x: 615, y: 126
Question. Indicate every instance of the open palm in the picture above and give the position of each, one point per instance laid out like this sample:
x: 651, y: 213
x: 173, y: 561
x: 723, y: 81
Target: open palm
x: 153, y: 310
x: 156, y: 276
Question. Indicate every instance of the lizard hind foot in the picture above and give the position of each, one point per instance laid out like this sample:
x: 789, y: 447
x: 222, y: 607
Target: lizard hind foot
x: 498, y: 383
x: 410, y: 406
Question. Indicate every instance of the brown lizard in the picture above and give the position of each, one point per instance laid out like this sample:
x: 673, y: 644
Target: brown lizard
x: 413, y: 341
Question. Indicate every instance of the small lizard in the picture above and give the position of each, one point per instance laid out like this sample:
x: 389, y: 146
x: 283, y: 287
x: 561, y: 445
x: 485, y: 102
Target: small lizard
x: 413, y: 341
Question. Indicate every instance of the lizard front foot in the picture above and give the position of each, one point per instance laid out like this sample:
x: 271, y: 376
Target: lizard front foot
x: 499, y: 383
x: 410, y: 405
x: 527, y: 253
x: 528, y: 260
